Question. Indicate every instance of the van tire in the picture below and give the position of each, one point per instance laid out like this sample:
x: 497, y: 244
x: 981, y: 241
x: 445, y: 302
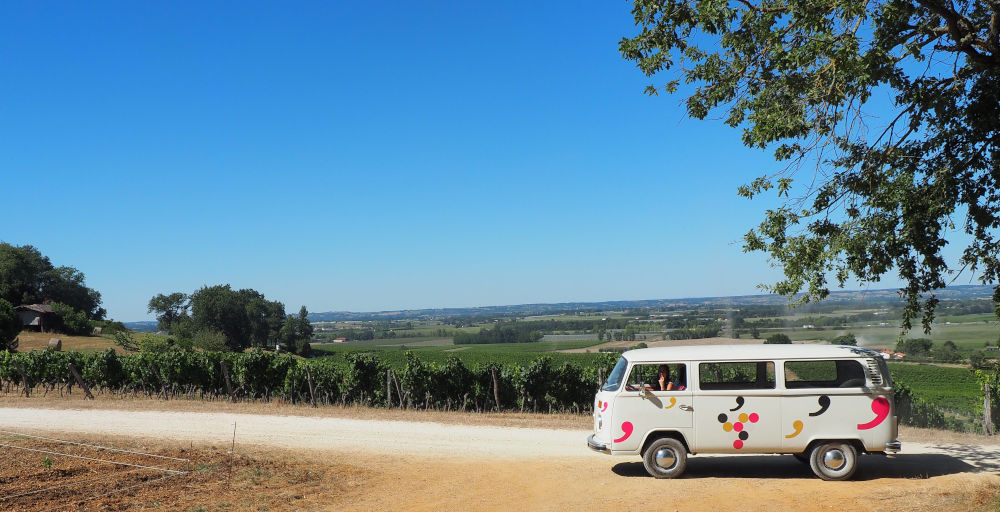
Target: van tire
x: 665, y: 458
x: 834, y: 460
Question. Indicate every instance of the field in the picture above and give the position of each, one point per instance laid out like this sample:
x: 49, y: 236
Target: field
x: 28, y: 341
x: 949, y: 388
x: 59, y: 474
x: 435, y: 350
x: 969, y: 335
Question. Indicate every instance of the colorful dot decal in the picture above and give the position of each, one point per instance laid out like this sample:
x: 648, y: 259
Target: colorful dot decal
x: 738, y: 426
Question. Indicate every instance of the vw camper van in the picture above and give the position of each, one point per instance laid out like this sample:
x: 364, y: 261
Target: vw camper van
x: 824, y: 404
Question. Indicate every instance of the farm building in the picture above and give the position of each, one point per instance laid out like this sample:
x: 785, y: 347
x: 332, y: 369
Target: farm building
x: 36, y: 317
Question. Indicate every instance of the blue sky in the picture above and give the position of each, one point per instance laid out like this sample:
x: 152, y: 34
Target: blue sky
x: 363, y: 156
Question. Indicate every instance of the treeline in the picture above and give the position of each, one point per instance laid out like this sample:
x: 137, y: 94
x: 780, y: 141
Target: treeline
x: 706, y: 331
x: 359, y: 379
x: 502, y: 332
x: 28, y: 277
x: 220, y: 318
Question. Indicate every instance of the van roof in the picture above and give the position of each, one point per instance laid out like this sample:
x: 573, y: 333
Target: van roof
x: 741, y: 352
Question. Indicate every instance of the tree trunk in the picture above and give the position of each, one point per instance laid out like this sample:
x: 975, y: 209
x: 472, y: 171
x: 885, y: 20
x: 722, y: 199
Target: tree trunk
x: 988, y: 410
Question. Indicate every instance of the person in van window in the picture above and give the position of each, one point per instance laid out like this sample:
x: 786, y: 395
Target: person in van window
x: 681, y: 379
x: 663, y: 382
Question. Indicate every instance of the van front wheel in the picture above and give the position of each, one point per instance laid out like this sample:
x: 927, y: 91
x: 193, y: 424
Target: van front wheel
x: 834, y: 460
x: 665, y: 458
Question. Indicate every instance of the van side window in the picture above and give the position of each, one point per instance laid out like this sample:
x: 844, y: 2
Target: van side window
x: 736, y: 375
x: 648, y: 375
x: 841, y: 373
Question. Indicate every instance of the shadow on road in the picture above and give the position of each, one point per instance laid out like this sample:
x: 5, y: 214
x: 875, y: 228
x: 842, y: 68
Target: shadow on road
x: 785, y: 466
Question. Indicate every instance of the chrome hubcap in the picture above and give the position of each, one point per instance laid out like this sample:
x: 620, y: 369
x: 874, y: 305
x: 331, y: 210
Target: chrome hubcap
x: 834, y: 459
x: 665, y: 458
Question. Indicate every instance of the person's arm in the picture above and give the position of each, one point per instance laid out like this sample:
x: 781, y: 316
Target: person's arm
x: 670, y: 386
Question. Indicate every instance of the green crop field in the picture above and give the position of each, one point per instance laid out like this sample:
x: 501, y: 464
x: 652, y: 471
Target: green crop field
x: 950, y: 388
x: 393, y: 351
x: 964, y: 334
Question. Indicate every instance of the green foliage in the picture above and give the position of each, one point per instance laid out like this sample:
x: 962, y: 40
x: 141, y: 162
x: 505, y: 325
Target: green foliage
x: 28, y: 277
x: 296, y: 332
x: 360, y: 378
x: 915, y: 348
x: 169, y: 309
x: 953, y: 390
x: 798, y: 77
x: 244, y: 316
x: 152, y: 343
x: 109, y: 327
x: 846, y: 339
x: 10, y: 326
x: 778, y: 339
x: 502, y: 332
x: 705, y: 331
x: 126, y: 340
x: 210, y: 339
x: 70, y: 321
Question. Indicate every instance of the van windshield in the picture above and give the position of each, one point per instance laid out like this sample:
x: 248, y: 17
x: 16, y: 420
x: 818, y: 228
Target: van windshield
x: 617, y: 374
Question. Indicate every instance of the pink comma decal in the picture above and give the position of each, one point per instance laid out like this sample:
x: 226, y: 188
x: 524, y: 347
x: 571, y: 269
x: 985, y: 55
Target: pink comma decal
x: 627, y: 428
x: 605, y: 407
x: 880, y: 406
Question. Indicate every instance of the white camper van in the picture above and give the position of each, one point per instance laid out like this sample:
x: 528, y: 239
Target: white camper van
x: 824, y: 404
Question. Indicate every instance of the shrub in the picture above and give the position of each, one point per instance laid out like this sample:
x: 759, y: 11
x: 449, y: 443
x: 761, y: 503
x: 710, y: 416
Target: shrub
x: 778, y: 339
x: 10, y: 326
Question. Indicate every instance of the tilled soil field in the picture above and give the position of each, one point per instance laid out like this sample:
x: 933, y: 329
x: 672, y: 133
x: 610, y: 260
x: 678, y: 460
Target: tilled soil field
x: 49, y: 475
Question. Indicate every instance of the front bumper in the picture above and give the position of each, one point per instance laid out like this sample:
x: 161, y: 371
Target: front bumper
x: 597, y: 446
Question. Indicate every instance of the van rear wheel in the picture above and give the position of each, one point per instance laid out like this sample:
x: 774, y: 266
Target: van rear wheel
x: 665, y: 458
x: 834, y: 460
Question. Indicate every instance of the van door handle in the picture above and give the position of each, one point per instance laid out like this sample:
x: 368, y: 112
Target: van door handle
x: 687, y: 408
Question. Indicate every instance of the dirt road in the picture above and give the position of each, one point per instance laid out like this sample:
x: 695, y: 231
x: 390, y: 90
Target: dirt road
x: 419, y: 465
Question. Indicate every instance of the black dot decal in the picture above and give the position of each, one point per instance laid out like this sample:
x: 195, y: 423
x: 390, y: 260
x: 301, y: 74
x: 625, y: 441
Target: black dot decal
x: 723, y: 418
x: 744, y: 436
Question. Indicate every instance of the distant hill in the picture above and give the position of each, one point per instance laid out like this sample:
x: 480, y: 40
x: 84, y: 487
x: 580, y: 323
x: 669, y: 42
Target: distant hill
x: 963, y: 292
x: 145, y: 326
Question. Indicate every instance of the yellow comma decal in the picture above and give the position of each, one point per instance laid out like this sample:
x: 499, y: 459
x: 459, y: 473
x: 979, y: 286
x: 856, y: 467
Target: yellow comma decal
x: 797, y: 425
x: 673, y: 402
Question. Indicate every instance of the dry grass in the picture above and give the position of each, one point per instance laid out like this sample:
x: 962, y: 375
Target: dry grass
x: 28, y: 341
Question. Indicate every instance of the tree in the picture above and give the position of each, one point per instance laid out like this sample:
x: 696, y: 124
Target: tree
x: 245, y: 316
x: 28, y: 277
x: 10, y: 326
x: 778, y: 339
x: 169, y: 309
x: 296, y: 332
x: 846, y: 339
x: 890, y: 108
x: 919, y: 347
x: 70, y: 321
